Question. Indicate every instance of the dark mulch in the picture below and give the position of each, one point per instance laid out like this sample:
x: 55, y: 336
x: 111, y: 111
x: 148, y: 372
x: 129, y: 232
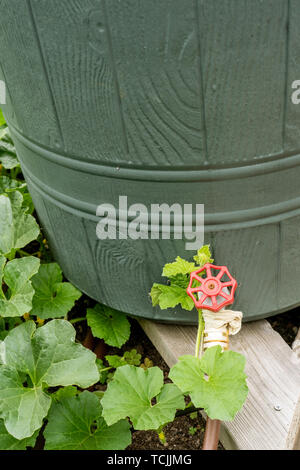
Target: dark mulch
x: 287, y: 324
x: 176, y: 433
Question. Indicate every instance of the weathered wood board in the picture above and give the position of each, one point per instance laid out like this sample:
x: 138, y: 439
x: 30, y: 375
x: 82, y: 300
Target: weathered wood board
x: 293, y: 438
x: 273, y: 380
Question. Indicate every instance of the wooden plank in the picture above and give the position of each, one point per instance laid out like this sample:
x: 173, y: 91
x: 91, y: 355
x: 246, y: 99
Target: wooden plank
x: 273, y: 381
x: 296, y: 344
x: 293, y: 439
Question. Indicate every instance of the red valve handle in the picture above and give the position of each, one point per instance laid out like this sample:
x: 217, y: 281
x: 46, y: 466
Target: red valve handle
x: 215, y: 292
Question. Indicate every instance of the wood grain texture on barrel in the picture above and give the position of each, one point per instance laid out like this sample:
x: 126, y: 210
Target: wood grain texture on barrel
x: 66, y: 234
x: 166, y: 102
x: 34, y: 109
x: 154, y: 116
x: 9, y: 107
x: 288, y: 268
x: 253, y: 250
x: 202, y: 70
x: 267, y: 250
x: 243, y: 46
x: 80, y: 63
x: 162, y: 99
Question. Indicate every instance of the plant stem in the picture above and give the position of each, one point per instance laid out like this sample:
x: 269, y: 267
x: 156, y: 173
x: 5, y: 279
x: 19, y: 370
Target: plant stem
x: 105, y: 369
x: 24, y: 253
x: 199, y: 334
x: 11, y: 255
x: 76, y: 320
x: 187, y: 411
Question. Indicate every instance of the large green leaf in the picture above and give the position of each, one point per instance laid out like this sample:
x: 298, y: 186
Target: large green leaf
x: 216, y: 382
x: 180, y: 266
x: 22, y: 408
x: 173, y: 294
x: 7, y: 324
x: 130, y: 392
x: 17, y: 227
x: 8, y: 442
x: 64, y: 392
x: 6, y: 142
x: 108, y: 324
x: 8, y: 156
x: 16, y: 275
x: 170, y: 296
x: 8, y: 184
x: 53, y: 298
x: 9, y: 161
x: 76, y: 424
x: 49, y: 357
x: 180, y: 280
x: 6, y: 225
x: 2, y: 266
x: 203, y: 256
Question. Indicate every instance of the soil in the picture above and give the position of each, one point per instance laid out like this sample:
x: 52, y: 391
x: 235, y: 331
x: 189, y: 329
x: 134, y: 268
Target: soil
x: 287, y: 324
x: 177, y: 436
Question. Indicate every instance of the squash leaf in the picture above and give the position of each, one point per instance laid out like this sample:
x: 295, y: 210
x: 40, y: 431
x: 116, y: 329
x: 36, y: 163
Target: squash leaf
x: 130, y: 393
x: 173, y: 294
x: 53, y: 298
x: 8, y: 156
x: 17, y: 227
x: 16, y: 274
x: 170, y: 296
x: 108, y: 324
x: 76, y: 424
x: 8, y: 442
x: 65, y: 392
x: 7, y: 184
x: 180, y: 266
x: 203, y: 256
x: 33, y: 359
x: 215, y: 382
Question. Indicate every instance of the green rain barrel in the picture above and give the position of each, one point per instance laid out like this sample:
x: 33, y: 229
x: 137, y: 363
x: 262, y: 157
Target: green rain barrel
x: 162, y: 101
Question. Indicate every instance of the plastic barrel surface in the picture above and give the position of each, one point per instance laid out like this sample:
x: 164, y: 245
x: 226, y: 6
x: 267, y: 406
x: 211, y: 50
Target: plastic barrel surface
x: 173, y: 101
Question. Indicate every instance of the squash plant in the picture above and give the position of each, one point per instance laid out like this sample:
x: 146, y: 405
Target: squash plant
x: 43, y: 370
x: 49, y: 382
x: 216, y: 381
